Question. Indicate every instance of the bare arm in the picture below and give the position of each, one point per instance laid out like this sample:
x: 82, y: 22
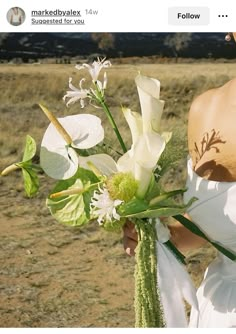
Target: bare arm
x: 181, y: 237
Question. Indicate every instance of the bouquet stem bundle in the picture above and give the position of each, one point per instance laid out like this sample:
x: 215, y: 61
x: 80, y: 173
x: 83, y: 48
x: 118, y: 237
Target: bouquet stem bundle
x: 148, y: 309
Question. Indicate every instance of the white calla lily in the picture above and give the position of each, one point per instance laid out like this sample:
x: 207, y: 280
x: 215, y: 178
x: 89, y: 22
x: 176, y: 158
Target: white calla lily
x: 148, y: 149
x: 151, y: 105
x: 135, y: 123
x: 58, y: 159
x: 142, y: 159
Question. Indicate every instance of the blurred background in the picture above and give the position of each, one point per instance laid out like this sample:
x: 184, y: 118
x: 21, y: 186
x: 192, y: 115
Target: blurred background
x: 66, y: 47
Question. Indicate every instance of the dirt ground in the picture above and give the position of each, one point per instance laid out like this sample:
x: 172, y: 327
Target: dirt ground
x: 56, y: 276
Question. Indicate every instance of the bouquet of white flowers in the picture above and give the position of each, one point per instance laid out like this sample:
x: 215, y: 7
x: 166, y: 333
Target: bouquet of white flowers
x: 114, y: 189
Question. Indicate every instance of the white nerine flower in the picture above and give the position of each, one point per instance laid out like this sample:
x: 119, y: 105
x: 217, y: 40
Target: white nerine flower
x: 103, y: 207
x: 81, y: 94
x: 96, y: 67
x: 105, y: 81
x: 102, y: 85
x: 76, y: 94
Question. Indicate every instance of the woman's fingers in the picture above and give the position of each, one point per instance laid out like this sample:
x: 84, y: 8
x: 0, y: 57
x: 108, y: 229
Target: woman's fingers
x: 129, y: 246
x: 130, y: 239
x: 130, y: 231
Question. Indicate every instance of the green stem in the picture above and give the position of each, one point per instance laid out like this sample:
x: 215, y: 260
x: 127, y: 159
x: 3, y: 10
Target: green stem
x: 31, y: 166
x: 113, y: 124
x: 99, y: 97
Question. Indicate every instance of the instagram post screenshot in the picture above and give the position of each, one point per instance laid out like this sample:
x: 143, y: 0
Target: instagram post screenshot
x: 117, y: 165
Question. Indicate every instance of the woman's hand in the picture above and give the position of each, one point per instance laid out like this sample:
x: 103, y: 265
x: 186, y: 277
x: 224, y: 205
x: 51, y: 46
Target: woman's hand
x: 130, y: 238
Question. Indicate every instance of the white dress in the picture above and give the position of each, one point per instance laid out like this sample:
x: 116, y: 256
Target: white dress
x: 215, y: 214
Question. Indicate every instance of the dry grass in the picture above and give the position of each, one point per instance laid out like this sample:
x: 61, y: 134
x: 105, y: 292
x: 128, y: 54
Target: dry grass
x: 56, y: 276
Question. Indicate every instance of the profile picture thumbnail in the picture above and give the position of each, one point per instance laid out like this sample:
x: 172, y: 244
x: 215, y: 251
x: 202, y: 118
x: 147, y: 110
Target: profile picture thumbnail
x: 16, y: 16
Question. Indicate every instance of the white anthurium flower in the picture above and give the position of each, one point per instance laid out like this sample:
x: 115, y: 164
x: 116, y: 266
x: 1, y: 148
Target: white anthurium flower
x: 103, y: 163
x: 103, y: 207
x: 76, y: 94
x: 95, y: 68
x: 151, y: 105
x: 58, y: 159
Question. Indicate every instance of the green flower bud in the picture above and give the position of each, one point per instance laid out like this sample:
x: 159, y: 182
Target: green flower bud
x: 122, y: 186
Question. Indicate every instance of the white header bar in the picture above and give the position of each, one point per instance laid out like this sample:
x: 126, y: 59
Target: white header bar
x: 118, y: 16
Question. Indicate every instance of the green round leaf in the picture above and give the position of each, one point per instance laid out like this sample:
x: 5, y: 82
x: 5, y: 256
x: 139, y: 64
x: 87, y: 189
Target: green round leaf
x: 30, y: 148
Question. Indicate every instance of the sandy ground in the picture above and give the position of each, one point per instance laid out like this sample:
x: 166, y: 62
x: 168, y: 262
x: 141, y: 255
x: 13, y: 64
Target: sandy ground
x: 57, y: 276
